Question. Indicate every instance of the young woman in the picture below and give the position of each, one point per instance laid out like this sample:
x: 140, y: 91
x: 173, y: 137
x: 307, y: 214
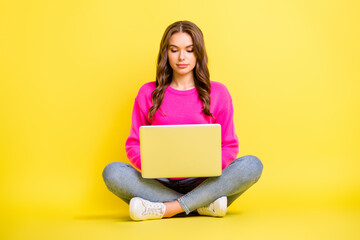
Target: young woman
x: 182, y: 94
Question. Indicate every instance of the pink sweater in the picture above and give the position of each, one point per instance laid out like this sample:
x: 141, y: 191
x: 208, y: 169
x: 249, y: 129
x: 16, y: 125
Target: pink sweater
x: 184, y: 107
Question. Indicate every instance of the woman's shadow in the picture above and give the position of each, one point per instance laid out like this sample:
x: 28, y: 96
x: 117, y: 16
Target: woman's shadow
x: 124, y: 217
x: 113, y: 217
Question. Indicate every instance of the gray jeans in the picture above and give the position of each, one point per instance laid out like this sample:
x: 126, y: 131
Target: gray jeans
x: 126, y: 182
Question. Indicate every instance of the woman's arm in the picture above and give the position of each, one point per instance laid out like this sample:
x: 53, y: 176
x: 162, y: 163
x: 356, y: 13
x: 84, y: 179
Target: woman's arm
x: 229, y: 139
x: 132, y: 145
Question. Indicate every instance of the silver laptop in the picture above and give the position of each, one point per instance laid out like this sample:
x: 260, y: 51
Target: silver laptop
x: 176, y: 151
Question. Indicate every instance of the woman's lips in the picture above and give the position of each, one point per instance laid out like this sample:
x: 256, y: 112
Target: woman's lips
x: 182, y: 65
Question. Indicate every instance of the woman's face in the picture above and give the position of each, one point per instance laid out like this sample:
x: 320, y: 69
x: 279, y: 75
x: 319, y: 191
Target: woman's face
x: 181, y: 54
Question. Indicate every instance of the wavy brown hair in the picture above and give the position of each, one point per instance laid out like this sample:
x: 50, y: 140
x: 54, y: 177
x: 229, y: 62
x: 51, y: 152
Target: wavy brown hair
x: 164, y: 72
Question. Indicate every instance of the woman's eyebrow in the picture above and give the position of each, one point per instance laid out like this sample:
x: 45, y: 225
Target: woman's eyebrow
x: 171, y: 45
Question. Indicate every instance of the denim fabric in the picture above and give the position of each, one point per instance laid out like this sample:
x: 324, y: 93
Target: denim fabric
x: 126, y: 182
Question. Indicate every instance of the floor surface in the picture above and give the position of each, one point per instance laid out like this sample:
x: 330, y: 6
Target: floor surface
x: 239, y: 223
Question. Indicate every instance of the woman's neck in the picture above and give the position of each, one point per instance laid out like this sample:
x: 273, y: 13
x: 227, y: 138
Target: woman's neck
x: 183, y: 82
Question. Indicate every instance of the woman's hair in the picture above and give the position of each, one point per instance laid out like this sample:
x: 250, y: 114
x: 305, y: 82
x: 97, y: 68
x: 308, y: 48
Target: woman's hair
x: 164, y: 72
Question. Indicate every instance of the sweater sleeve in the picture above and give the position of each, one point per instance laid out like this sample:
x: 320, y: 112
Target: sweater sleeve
x: 132, y: 145
x: 229, y: 139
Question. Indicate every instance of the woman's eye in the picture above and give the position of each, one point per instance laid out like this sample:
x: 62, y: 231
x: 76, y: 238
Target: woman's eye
x: 173, y: 50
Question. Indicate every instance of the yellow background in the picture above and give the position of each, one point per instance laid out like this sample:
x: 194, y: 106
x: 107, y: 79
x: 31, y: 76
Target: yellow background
x: 69, y: 73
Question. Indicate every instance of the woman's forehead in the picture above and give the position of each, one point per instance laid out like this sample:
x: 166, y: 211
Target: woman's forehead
x: 180, y: 39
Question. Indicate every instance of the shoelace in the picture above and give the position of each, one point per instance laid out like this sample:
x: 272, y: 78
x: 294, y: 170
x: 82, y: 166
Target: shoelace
x: 152, y: 209
x: 209, y: 209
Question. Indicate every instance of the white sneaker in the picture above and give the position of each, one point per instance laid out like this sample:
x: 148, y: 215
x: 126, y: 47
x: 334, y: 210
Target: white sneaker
x: 141, y: 209
x: 216, y: 209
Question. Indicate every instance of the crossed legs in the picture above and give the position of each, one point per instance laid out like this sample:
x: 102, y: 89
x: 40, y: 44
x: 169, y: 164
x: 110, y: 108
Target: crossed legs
x: 126, y: 183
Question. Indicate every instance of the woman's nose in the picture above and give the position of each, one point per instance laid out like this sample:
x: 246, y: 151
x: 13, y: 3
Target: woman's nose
x: 181, y: 55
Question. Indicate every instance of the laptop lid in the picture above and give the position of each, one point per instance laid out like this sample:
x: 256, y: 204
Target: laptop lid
x: 176, y: 151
